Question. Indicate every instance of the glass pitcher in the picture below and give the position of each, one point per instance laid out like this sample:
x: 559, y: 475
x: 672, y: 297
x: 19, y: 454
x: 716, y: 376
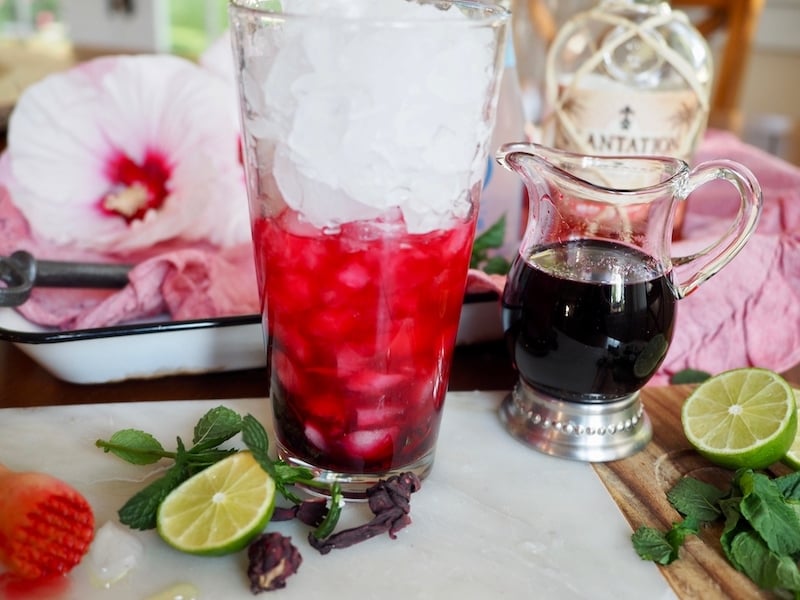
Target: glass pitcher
x: 590, y: 301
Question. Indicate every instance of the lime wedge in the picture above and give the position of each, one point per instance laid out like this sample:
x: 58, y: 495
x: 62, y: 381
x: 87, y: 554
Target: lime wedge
x: 741, y: 418
x: 792, y: 457
x: 219, y: 510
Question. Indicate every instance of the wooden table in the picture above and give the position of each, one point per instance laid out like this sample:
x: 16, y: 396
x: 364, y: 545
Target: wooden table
x: 24, y: 383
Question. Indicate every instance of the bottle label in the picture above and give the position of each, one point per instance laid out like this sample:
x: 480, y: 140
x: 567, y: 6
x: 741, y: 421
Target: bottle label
x: 621, y: 120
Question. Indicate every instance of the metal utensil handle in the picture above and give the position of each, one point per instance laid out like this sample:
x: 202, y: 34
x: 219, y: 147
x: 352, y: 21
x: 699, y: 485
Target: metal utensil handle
x: 50, y: 273
x: 20, y: 272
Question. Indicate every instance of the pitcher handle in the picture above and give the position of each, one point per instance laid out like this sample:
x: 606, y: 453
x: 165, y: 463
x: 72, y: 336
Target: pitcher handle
x: 707, y: 262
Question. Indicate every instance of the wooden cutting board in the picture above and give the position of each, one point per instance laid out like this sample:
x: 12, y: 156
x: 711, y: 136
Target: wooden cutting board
x: 639, y: 484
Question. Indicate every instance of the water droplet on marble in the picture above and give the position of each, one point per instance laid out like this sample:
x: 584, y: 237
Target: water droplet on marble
x: 179, y: 591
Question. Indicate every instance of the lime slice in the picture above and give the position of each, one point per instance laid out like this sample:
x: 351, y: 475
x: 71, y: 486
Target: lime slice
x: 741, y: 418
x: 219, y: 510
x: 792, y: 457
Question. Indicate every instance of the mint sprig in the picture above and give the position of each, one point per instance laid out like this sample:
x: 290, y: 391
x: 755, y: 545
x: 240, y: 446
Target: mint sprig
x: 214, y: 428
x: 761, y: 532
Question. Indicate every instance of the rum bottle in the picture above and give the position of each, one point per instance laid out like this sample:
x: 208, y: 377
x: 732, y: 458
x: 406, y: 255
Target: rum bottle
x: 628, y: 77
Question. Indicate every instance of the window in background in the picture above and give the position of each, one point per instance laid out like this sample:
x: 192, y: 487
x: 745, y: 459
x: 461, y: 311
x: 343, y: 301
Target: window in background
x: 194, y: 25
x: 28, y: 18
x: 187, y: 26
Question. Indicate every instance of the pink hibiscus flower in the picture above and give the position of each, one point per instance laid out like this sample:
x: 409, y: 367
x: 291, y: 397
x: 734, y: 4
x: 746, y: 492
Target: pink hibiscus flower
x: 122, y: 153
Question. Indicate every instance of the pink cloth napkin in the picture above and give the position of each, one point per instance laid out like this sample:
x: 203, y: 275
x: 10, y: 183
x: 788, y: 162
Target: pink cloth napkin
x: 749, y: 313
x: 186, y: 282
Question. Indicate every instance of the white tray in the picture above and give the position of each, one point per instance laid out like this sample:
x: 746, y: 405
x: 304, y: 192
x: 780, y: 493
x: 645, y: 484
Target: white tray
x: 161, y: 348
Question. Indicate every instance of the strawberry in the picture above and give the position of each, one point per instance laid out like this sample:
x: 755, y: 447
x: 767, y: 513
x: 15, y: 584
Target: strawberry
x: 45, y: 525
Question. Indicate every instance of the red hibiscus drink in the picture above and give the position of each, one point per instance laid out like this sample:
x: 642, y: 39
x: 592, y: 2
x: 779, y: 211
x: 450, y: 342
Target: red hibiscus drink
x: 361, y: 326
x: 365, y: 135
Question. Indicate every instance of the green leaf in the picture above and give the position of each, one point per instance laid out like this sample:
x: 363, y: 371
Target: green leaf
x: 789, y: 485
x: 215, y: 427
x: 766, y: 509
x: 255, y: 438
x: 662, y: 548
x: 689, y: 376
x: 290, y: 474
x: 197, y: 462
x: 651, y: 544
x: 680, y: 531
x: 695, y: 498
x: 767, y: 569
x: 491, y: 238
x: 734, y: 525
x: 134, y: 446
x: 141, y: 510
x: 496, y: 265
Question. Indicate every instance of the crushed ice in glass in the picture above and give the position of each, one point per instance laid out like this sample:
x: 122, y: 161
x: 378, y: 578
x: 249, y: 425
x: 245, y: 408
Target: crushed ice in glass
x: 351, y: 138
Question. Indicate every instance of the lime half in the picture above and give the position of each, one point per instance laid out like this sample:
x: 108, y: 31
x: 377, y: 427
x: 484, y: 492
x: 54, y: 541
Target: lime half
x: 792, y: 457
x: 741, y: 418
x: 219, y: 510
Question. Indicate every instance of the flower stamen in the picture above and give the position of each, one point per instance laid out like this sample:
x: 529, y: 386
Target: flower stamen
x: 136, y: 188
x: 127, y: 201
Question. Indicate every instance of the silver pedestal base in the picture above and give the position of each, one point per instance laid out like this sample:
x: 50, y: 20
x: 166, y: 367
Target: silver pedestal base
x: 580, y: 431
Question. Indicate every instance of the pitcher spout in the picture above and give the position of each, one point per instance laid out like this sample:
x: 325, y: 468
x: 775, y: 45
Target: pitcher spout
x: 590, y: 174
x: 536, y: 165
x: 629, y: 199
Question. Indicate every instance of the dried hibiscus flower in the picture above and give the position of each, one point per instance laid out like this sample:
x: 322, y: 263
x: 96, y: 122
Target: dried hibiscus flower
x: 390, y: 502
x: 311, y: 512
x: 273, y: 559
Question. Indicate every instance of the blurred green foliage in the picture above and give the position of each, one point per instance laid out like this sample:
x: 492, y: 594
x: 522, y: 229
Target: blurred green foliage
x: 191, y: 27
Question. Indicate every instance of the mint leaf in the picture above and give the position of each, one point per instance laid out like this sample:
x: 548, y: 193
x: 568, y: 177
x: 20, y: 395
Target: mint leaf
x: 695, y: 498
x: 197, y: 461
x: 141, y: 510
x: 761, y: 534
x: 767, y: 569
x: 134, y: 446
x: 766, y: 509
x: 734, y: 525
x: 662, y: 548
x: 491, y: 238
x: 651, y: 544
x: 255, y: 438
x: 680, y: 531
x: 215, y: 427
x: 689, y: 376
x: 291, y: 475
x: 496, y: 265
x: 789, y: 485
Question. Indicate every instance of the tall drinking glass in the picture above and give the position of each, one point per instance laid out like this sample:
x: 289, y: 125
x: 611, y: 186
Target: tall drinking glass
x: 365, y: 137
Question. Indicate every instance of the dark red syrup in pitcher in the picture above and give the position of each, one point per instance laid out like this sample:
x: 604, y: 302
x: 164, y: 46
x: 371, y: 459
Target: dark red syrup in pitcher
x: 587, y: 320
